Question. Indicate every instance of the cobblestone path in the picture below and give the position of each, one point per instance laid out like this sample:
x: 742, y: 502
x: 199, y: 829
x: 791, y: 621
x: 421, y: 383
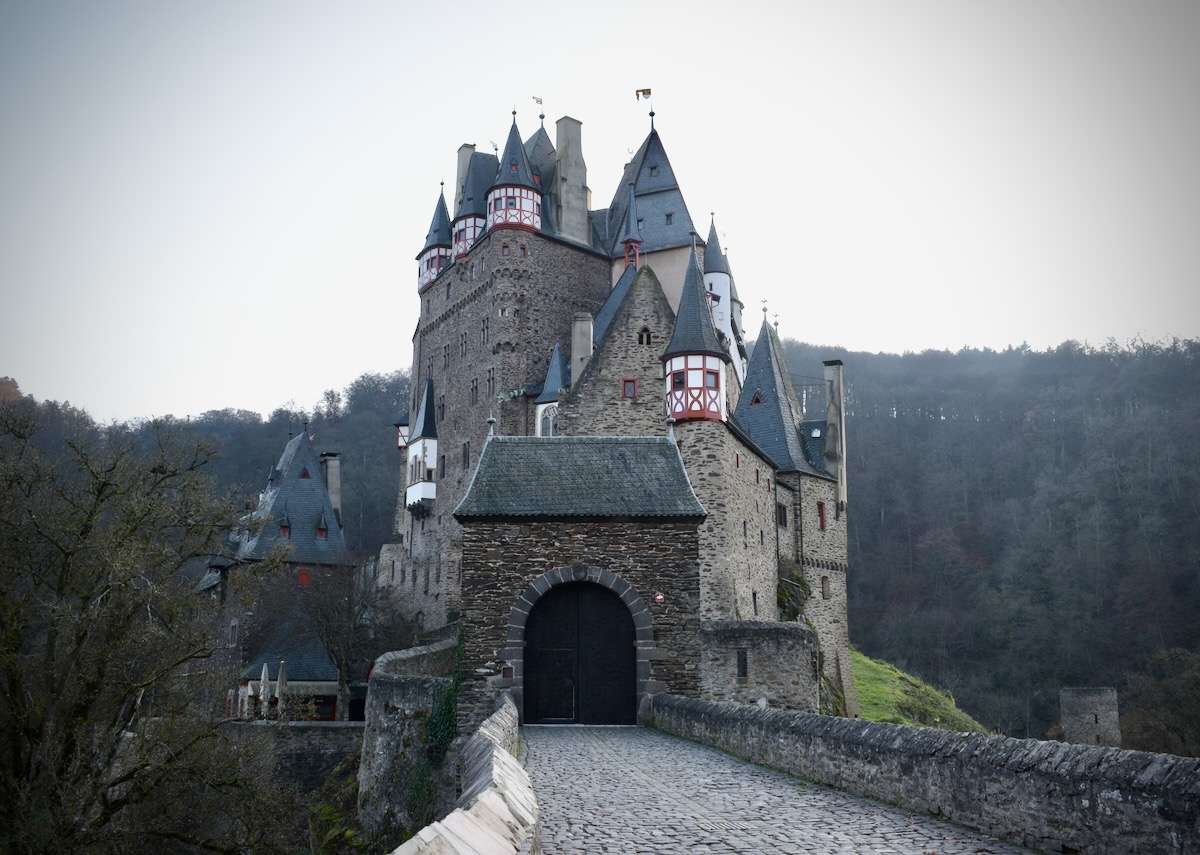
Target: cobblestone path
x: 629, y: 789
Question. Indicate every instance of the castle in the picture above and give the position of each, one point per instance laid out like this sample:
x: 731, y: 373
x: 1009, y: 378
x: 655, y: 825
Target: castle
x: 598, y: 485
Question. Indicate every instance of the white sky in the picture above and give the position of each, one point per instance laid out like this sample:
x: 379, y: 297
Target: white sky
x: 217, y: 204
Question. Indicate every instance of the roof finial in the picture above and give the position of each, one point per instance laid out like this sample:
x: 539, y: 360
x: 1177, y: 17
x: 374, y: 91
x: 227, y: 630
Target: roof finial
x: 764, y: 305
x: 514, y: 115
x: 776, y: 316
x: 651, y: 119
x: 712, y: 218
x: 491, y: 423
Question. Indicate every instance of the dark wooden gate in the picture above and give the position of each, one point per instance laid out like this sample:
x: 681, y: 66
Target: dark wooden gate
x: 580, y: 664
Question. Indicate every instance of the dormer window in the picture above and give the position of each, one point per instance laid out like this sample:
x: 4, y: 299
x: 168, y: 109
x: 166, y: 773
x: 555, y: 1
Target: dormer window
x: 537, y: 179
x: 285, y: 531
x: 670, y: 218
x: 757, y: 398
x: 654, y: 170
x: 304, y: 473
x: 322, y: 533
x: 512, y: 167
x: 816, y: 433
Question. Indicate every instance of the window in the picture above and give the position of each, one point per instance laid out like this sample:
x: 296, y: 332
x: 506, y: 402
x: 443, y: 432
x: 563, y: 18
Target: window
x: 304, y: 473
x: 548, y: 425
x: 521, y: 250
x: 483, y: 331
x: 837, y: 510
x: 670, y: 218
x: 303, y: 577
x: 447, y: 292
x: 678, y: 381
x: 757, y: 398
x: 474, y: 390
x: 825, y: 595
x: 743, y: 668
x: 737, y: 460
x: 466, y: 455
x: 512, y: 167
x: 441, y: 407
x: 445, y: 356
x: 712, y: 379
x: 442, y: 466
x: 628, y: 388
x: 285, y: 531
x: 821, y: 515
x: 762, y: 539
x: 322, y: 533
x: 233, y: 633
x: 511, y: 201
x: 745, y: 532
x: 756, y: 476
x: 754, y: 600
x: 781, y: 514
x: 504, y: 249
x: 491, y: 383
x: 640, y: 221
x: 462, y: 344
x: 644, y: 336
x: 654, y: 170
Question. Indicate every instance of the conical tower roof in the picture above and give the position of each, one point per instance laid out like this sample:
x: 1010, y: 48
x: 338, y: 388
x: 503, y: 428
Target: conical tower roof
x: 439, y: 227
x: 694, y: 330
x: 714, y: 258
x: 514, y: 169
x: 424, y: 426
x: 556, y: 377
x: 481, y: 170
x: 632, y: 231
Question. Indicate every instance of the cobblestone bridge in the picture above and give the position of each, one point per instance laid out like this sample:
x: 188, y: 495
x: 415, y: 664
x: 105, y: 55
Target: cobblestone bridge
x: 629, y: 789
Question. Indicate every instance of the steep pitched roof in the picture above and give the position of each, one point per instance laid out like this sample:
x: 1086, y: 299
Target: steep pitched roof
x: 612, y: 303
x: 657, y: 193
x: 631, y: 232
x: 556, y: 377
x: 694, y: 331
x: 481, y: 170
x: 768, y: 409
x: 424, y: 426
x: 297, y: 645
x: 296, y: 496
x: 714, y: 259
x: 540, y: 152
x: 514, y: 169
x: 439, y: 227
x: 812, y: 439
x: 594, y: 477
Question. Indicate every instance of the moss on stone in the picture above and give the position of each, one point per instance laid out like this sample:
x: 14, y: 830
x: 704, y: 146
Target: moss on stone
x: 887, y: 694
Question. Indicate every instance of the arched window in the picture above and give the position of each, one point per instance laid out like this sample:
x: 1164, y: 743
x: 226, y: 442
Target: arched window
x: 645, y: 337
x: 549, y: 422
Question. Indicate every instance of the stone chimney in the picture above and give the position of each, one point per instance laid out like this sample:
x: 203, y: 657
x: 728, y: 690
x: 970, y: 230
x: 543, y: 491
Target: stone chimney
x: 464, y: 160
x: 331, y: 471
x: 572, y: 190
x: 835, y: 425
x: 581, y: 345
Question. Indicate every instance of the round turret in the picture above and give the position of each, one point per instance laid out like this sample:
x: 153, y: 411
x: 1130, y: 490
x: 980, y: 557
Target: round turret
x: 515, y: 197
x: 435, y: 254
x: 695, y: 361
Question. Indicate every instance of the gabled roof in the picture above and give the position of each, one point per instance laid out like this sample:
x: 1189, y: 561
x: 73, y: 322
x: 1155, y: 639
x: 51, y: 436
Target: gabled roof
x: 424, y: 426
x: 556, y: 377
x: 295, y: 495
x: 714, y: 259
x: 439, y: 227
x: 768, y: 409
x: 297, y: 645
x: 694, y: 331
x: 481, y: 170
x: 612, y: 303
x: 594, y: 477
x: 514, y: 169
x: 657, y: 193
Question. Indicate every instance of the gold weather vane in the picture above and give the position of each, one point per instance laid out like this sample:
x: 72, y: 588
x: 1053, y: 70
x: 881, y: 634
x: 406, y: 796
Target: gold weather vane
x: 639, y: 94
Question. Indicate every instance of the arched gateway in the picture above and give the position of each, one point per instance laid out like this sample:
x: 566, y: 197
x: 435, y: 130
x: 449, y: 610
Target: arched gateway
x: 580, y: 657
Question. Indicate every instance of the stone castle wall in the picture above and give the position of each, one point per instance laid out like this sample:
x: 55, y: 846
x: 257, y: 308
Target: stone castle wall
x: 739, y: 577
x: 527, y: 288
x: 1045, y: 795
x: 595, y: 405
x: 305, y: 752
x: 746, y: 661
x: 640, y: 557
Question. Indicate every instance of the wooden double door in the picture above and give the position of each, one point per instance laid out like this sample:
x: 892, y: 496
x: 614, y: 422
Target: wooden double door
x: 580, y: 662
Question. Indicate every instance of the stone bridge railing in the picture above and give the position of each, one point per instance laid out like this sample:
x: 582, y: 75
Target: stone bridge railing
x: 497, y: 811
x: 1046, y: 795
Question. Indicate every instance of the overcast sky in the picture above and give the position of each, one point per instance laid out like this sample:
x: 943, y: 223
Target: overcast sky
x: 217, y: 204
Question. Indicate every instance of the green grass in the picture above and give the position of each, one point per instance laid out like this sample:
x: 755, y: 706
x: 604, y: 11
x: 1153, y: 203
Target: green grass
x: 885, y: 693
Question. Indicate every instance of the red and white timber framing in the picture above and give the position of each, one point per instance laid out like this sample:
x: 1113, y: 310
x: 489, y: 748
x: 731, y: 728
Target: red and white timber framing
x: 467, y: 230
x: 519, y: 207
x: 432, y: 262
x: 695, y: 387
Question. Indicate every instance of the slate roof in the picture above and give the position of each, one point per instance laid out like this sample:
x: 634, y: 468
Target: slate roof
x: 514, y: 169
x: 694, y: 331
x: 814, y: 446
x: 424, y: 426
x: 593, y: 477
x: 540, y: 152
x: 297, y: 645
x: 657, y: 194
x: 439, y: 227
x: 557, y: 377
x: 295, y: 493
x: 714, y: 258
x: 774, y: 422
x: 481, y: 170
x: 612, y: 303
x: 631, y: 231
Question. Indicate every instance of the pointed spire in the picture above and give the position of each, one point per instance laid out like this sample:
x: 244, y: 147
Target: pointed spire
x: 439, y: 227
x: 514, y: 164
x: 556, y: 377
x: 633, y: 232
x: 424, y: 426
x: 714, y: 259
x: 694, y: 330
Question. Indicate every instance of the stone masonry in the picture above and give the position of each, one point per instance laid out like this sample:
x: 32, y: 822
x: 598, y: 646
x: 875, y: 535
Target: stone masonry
x: 1089, y: 716
x: 508, y: 566
x: 485, y: 324
x: 748, y: 661
x: 739, y: 579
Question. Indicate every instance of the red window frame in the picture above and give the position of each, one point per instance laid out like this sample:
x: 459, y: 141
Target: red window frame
x: 322, y: 533
x: 821, y: 515
x: 285, y: 531
x: 626, y: 385
x: 678, y: 381
x: 712, y: 380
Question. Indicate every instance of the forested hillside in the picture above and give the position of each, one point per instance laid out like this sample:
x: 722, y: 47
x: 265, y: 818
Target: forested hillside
x: 1022, y: 521
x: 1019, y: 521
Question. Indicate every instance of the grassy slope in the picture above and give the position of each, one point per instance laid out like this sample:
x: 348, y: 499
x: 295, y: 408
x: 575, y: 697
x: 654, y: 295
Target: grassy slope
x: 885, y: 693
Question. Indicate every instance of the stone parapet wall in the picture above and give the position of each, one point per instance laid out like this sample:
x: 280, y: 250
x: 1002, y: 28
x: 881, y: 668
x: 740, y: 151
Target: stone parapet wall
x: 304, y: 752
x: 435, y: 659
x: 746, y: 661
x: 498, y: 811
x: 1046, y: 795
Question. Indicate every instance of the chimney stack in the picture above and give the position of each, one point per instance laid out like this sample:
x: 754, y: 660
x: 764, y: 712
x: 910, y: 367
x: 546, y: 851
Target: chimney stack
x: 572, y: 189
x: 464, y: 160
x: 581, y: 345
x: 331, y: 471
x: 835, y: 424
